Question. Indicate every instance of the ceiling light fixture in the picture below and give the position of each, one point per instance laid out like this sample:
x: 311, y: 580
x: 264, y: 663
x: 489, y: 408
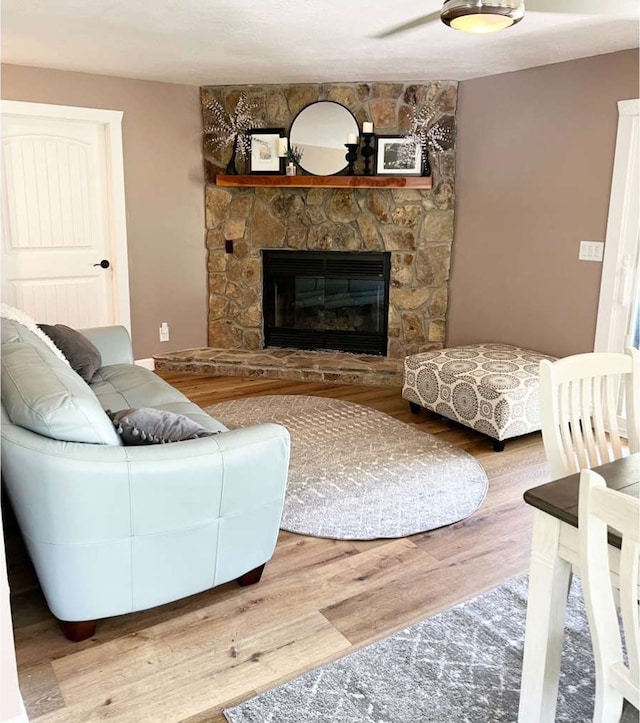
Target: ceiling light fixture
x: 479, y: 16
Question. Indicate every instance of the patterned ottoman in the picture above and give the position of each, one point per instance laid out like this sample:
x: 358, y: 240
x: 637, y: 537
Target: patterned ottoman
x: 492, y: 388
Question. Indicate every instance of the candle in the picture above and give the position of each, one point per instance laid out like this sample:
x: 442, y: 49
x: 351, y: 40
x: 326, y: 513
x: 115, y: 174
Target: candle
x: 352, y: 139
x: 282, y: 146
x: 367, y: 127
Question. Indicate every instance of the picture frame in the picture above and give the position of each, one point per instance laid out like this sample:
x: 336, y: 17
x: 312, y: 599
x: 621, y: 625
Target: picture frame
x: 389, y: 161
x: 264, y: 158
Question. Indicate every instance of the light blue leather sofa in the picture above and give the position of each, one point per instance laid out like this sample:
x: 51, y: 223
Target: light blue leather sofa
x: 112, y: 529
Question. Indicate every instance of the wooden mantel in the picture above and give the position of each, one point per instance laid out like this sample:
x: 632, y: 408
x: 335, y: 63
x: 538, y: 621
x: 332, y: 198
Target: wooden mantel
x: 279, y: 181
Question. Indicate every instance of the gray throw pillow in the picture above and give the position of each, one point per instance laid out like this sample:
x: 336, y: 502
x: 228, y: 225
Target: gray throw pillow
x: 81, y: 353
x: 155, y: 426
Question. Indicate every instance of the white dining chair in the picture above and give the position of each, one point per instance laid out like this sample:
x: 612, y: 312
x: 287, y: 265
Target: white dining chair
x: 598, y: 507
x: 580, y: 397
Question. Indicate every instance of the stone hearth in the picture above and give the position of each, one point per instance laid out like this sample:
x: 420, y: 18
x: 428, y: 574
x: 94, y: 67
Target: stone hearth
x: 311, y: 366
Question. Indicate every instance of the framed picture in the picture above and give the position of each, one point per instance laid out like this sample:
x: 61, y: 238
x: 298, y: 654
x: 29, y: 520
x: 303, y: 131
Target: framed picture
x: 264, y: 151
x: 395, y: 157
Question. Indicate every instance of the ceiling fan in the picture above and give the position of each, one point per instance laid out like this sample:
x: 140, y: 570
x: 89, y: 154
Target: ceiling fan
x: 486, y: 16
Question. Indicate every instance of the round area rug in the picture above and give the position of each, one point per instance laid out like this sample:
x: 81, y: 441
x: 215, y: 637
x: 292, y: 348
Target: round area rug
x: 358, y: 474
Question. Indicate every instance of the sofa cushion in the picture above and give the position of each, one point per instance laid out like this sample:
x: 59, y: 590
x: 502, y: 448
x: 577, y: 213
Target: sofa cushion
x: 155, y: 426
x: 129, y: 386
x: 24, y: 320
x: 81, y: 353
x: 42, y: 393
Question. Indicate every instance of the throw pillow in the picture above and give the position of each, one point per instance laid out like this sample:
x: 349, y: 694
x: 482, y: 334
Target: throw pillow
x: 42, y: 393
x: 155, y: 426
x: 83, y: 355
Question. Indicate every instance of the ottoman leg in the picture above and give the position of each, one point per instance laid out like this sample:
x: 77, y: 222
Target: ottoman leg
x: 415, y: 408
x: 498, y: 445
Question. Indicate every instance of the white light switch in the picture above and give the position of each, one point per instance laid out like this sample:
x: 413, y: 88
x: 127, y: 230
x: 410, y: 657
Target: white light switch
x: 591, y: 250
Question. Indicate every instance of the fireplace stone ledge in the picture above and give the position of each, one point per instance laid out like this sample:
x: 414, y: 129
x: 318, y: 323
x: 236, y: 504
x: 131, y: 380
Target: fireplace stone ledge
x: 331, y: 367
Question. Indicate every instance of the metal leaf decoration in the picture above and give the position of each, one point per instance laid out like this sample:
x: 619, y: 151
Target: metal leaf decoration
x: 424, y: 133
x: 232, y: 128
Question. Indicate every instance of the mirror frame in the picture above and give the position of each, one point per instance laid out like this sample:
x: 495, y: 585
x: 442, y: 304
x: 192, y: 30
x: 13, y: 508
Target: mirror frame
x: 302, y: 110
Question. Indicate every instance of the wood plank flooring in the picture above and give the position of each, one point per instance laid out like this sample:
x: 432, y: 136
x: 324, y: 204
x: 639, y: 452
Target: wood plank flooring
x: 318, y: 599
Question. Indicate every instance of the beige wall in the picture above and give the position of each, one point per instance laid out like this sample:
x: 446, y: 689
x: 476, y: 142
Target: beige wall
x: 534, y: 162
x: 164, y: 193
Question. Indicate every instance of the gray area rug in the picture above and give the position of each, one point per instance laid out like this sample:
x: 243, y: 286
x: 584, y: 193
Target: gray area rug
x: 359, y: 474
x: 460, y: 666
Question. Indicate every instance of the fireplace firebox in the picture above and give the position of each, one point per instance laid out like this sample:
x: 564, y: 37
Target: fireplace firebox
x: 326, y: 300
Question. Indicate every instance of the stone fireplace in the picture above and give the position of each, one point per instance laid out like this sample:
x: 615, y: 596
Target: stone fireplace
x: 412, y: 228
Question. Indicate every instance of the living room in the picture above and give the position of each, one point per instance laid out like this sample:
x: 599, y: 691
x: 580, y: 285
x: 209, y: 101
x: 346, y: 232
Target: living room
x: 534, y: 155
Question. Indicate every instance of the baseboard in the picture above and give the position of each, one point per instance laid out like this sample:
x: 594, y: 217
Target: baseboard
x: 20, y: 718
x: 146, y: 363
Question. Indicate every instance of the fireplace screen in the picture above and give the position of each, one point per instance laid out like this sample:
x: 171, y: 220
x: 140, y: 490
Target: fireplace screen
x: 326, y: 300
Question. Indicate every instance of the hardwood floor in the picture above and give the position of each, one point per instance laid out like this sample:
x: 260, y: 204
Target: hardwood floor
x: 318, y: 599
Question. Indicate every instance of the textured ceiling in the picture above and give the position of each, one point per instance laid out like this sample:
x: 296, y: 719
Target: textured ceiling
x: 274, y: 41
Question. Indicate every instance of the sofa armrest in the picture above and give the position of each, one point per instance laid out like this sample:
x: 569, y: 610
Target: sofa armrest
x: 116, y: 529
x: 256, y: 464
x: 65, y: 492
x: 113, y: 342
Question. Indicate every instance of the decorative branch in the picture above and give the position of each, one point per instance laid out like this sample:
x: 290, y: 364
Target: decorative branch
x: 232, y: 128
x: 424, y: 133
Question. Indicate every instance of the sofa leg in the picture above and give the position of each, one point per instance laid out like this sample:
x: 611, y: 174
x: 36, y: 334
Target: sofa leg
x: 498, y: 445
x: 415, y: 408
x: 78, y: 631
x: 251, y: 577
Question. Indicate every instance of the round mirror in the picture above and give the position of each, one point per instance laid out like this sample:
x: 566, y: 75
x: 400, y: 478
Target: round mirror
x: 320, y: 131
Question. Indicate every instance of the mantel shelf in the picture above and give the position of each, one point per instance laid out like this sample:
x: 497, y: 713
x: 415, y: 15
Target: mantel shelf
x: 277, y: 181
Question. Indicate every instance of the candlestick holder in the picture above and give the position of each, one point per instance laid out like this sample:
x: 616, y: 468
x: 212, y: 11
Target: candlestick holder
x: 351, y: 157
x: 367, y: 152
x: 426, y: 166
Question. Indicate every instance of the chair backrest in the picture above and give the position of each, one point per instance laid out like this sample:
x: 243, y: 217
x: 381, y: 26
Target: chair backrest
x: 579, y: 402
x: 599, y: 507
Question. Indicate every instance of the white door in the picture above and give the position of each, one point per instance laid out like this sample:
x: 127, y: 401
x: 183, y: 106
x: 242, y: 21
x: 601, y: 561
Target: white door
x: 620, y: 286
x: 64, y: 249
x: 618, y: 321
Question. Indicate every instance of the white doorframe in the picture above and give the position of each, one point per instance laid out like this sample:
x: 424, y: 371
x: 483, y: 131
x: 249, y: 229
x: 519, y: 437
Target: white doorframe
x: 621, y: 243
x: 11, y: 703
x: 112, y: 122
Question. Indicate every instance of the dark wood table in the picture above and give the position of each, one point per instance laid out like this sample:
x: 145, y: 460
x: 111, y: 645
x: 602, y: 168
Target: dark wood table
x: 554, y: 553
x: 560, y: 498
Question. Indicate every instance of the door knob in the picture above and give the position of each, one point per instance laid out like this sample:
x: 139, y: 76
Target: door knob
x: 104, y: 264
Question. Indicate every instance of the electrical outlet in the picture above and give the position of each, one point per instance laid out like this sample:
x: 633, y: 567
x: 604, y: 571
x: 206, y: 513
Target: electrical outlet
x: 163, y: 331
